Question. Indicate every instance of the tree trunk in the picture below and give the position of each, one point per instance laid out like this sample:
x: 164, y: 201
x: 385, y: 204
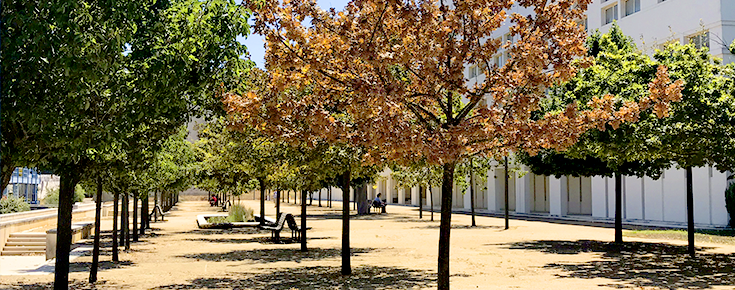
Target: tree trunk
x: 422, y: 190
x: 6, y: 168
x: 69, y: 179
x: 329, y: 193
x: 361, y: 199
x: 320, y: 198
x: 618, y: 208
x: 311, y: 197
x: 96, y: 249
x: 115, y: 212
x: 507, y: 202
x: 445, y: 226
x: 303, y: 221
x: 155, y: 204
x: 145, y: 214
x: 472, y: 195
x: 690, y: 213
x: 278, y: 203
x: 431, y: 193
x: 346, y: 268
x: 262, y: 201
x: 126, y: 229
x: 135, y: 217
x: 123, y: 216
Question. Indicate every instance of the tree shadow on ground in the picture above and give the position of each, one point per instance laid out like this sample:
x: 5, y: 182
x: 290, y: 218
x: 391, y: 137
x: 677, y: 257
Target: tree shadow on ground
x: 377, y: 216
x: 463, y: 227
x: 103, y: 265
x: 106, y: 243
x: 262, y: 240
x: 325, y: 216
x: 640, y: 264
x: 416, y: 219
x: 73, y: 285
x: 231, y: 231
x: 364, y: 277
x: 275, y: 255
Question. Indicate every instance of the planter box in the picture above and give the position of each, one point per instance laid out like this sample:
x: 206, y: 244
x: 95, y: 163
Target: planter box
x: 203, y: 222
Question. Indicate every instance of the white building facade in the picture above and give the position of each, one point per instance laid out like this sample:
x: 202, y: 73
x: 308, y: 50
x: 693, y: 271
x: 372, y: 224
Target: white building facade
x: 652, y: 24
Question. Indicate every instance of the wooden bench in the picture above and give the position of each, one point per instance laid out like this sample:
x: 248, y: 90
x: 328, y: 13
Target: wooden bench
x: 277, y: 227
x: 372, y: 206
x: 294, y: 227
x: 155, y: 213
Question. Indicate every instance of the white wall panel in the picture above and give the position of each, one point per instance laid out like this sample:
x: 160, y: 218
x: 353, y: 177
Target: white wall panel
x: 700, y: 184
x: 633, y: 197
x: 654, y: 203
x: 675, y: 195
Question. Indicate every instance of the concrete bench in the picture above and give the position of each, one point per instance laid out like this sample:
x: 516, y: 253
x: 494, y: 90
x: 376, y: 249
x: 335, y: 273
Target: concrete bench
x: 79, y: 231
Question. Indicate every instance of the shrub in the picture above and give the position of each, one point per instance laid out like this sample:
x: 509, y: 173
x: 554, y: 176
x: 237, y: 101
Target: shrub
x: 217, y: 220
x: 52, y: 198
x: 239, y: 213
x: 11, y: 204
x: 730, y: 202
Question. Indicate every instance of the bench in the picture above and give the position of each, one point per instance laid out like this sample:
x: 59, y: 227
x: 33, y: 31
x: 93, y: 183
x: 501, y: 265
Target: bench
x: 277, y: 227
x: 155, y: 213
x: 79, y: 231
x: 294, y: 227
x: 372, y: 205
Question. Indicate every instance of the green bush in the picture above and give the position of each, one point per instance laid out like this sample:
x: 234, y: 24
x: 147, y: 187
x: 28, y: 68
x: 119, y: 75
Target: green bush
x: 730, y: 202
x: 52, y: 199
x: 239, y: 213
x: 218, y: 220
x: 11, y: 204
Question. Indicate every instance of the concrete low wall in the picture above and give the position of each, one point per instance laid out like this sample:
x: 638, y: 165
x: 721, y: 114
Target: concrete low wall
x: 23, y: 221
x: 79, y: 231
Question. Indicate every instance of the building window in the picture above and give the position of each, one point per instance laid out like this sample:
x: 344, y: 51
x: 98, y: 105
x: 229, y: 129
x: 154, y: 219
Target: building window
x: 700, y: 40
x: 496, y: 60
x: 473, y: 71
x: 583, y: 24
x: 610, y: 15
x: 632, y: 6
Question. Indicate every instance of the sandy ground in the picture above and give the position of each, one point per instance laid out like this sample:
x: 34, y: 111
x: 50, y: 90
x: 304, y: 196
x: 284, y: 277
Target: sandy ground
x: 394, y: 251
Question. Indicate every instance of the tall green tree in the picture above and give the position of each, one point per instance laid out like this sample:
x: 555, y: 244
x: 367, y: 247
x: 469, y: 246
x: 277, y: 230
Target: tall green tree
x: 695, y: 132
x: 107, y: 69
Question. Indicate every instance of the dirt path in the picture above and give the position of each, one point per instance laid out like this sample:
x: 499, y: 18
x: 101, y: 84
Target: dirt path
x: 395, y: 251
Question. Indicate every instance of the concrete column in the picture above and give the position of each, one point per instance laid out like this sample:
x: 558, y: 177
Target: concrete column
x: 600, y: 198
x: 389, y: 190
x: 466, y: 196
x: 415, y: 195
x: 523, y: 197
x: 492, y: 195
x: 558, y: 196
x: 402, y: 195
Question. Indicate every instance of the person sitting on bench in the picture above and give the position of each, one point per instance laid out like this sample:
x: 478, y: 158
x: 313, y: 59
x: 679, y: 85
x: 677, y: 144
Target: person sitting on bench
x: 213, y: 200
x: 378, y: 203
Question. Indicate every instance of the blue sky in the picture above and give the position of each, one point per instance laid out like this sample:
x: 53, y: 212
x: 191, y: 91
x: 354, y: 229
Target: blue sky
x: 255, y: 42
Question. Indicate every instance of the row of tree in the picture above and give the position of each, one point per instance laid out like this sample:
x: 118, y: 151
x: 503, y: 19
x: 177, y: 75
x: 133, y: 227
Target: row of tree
x: 94, y: 90
x: 235, y: 159
x: 388, y: 77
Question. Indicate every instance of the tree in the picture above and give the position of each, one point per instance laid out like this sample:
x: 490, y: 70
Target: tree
x: 471, y: 167
x: 620, y: 69
x: 419, y: 174
x: 108, y: 69
x: 696, y: 131
x: 700, y: 130
x: 389, y: 76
